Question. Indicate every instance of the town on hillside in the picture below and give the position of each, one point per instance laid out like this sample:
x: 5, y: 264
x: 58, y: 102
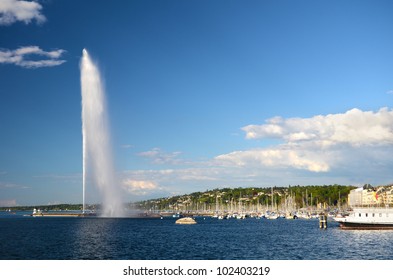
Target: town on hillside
x: 298, y: 201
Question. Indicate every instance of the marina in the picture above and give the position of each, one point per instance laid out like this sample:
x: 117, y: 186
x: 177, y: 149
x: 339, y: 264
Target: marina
x: 353, y: 217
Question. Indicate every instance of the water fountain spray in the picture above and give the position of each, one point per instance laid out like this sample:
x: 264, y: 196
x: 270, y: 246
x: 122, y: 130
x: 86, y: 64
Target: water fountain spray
x: 97, y: 154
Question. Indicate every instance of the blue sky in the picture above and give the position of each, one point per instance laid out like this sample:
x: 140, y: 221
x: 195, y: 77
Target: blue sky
x: 201, y: 94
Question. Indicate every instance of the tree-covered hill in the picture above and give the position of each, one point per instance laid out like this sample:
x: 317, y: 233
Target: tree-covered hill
x: 294, y: 196
x: 276, y: 197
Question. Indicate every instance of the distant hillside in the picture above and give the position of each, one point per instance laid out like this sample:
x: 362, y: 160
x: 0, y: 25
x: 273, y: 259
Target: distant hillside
x: 278, y: 197
x: 57, y: 207
x: 294, y: 196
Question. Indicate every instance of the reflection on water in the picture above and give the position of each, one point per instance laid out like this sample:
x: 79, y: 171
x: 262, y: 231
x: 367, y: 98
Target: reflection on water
x: 113, y: 238
x: 365, y: 244
x: 94, y: 239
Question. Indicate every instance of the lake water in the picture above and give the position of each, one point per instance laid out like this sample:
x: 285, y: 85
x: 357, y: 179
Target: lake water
x: 50, y: 238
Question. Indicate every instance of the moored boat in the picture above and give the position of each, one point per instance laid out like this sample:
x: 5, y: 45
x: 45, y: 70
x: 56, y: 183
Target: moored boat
x: 367, y: 218
x: 186, y: 221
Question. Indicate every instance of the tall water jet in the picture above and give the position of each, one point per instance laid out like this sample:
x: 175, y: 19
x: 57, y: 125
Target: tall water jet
x: 97, y: 155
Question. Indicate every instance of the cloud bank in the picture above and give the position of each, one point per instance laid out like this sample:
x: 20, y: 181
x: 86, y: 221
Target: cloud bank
x: 279, y: 157
x: 354, y: 147
x: 139, y: 187
x: 319, y: 143
x: 157, y: 156
x: 354, y: 127
x: 32, y: 57
x: 12, y: 11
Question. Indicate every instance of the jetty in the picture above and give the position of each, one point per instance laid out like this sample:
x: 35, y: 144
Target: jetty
x: 39, y: 213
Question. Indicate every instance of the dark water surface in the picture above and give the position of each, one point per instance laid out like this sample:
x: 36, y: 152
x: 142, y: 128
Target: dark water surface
x: 116, y: 239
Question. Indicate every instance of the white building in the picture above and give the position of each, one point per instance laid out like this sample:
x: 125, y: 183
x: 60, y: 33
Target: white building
x: 368, y: 195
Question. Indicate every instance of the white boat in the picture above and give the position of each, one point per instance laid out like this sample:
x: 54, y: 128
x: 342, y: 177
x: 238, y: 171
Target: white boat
x: 240, y: 216
x: 176, y: 215
x: 186, y: 221
x: 271, y: 216
x: 367, y: 218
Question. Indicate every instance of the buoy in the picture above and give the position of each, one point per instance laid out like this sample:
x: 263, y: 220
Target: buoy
x: 186, y: 221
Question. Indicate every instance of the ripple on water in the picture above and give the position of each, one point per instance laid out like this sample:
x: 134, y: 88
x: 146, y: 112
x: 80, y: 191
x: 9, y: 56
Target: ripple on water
x: 97, y: 238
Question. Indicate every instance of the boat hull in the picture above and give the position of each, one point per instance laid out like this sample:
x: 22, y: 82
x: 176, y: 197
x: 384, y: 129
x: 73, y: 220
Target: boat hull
x: 363, y: 226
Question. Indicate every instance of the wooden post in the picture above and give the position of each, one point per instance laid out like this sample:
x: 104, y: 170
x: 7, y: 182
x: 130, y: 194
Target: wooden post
x: 322, y: 221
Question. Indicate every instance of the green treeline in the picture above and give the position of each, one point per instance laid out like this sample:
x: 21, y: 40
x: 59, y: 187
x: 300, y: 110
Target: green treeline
x: 297, y: 196
x: 277, y: 197
x: 57, y: 207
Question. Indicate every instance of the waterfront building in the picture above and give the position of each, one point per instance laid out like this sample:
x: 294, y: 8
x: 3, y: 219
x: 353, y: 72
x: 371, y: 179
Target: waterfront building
x: 370, y: 196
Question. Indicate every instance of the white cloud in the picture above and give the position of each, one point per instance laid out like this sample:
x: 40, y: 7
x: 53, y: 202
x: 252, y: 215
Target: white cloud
x: 31, y: 57
x: 353, y: 141
x: 139, y: 184
x: 157, y: 156
x: 168, y: 181
x: 12, y: 11
x: 141, y: 187
x: 280, y: 157
x: 355, y: 127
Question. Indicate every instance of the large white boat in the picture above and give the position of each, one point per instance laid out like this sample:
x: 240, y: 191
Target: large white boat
x: 367, y: 218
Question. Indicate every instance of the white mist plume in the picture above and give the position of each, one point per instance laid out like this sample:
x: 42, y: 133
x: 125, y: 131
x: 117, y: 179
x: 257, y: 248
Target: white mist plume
x: 97, y: 154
